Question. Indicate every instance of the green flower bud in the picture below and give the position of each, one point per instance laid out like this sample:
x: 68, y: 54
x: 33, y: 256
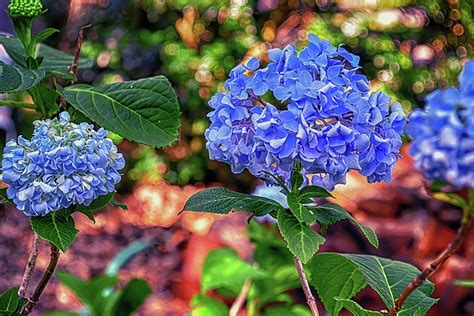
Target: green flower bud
x: 25, y: 8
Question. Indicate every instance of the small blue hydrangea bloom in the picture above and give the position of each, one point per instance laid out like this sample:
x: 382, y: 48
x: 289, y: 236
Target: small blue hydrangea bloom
x: 62, y: 165
x: 443, y: 134
x: 313, y: 106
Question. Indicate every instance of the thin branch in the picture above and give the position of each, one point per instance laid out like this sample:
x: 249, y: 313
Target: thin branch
x: 17, y: 104
x: 48, y: 273
x: 30, y: 267
x: 77, y: 51
x: 310, y: 300
x: 435, y: 265
x: 240, y: 300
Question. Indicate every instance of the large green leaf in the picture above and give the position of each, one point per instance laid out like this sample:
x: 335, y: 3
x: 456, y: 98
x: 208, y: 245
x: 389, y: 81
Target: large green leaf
x: 224, y: 269
x: 54, y: 61
x: 90, y: 293
x: 131, y: 297
x: 302, y: 241
x: 302, y: 213
x: 9, y: 301
x: 388, y: 278
x: 144, y: 111
x: 312, y: 192
x: 15, y: 79
x: 331, y: 213
x: 223, y: 201
x: 57, y: 228
x: 356, y: 309
x: 206, y: 306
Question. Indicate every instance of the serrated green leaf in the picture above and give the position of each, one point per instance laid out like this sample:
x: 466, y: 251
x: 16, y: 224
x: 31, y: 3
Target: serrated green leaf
x: 57, y: 228
x: 16, y: 79
x: 313, y: 192
x: 331, y: 213
x: 131, y: 297
x: 302, y: 213
x: 224, y: 201
x: 206, y: 306
x: 224, y: 269
x: 451, y: 198
x: 386, y: 277
x: 53, y: 59
x: 9, y: 301
x: 89, y: 292
x: 302, y: 241
x: 144, y: 111
x: 4, y: 197
x: 356, y: 309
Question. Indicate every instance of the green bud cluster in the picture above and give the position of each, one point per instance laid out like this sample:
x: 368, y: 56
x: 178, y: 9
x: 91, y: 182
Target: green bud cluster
x: 25, y: 8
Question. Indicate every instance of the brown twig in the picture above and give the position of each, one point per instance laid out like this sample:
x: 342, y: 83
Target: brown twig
x: 240, y: 300
x: 310, y: 300
x: 435, y: 265
x: 48, y: 273
x: 30, y: 267
x: 77, y: 51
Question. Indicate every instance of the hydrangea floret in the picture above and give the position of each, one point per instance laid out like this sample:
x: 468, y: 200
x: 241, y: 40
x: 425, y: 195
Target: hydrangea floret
x: 63, y: 164
x: 314, y: 107
x: 443, y: 134
x: 25, y: 8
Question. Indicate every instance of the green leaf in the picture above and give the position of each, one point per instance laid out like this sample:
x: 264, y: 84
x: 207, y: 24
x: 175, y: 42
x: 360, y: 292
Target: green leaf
x: 302, y: 213
x: 224, y: 201
x: 464, y: 283
x: 99, y: 203
x: 14, y: 79
x: 44, y: 34
x: 224, y: 269
x: 302, y: 241
x: 9, y: 301
x: 289, y: 310
x: 331, y: 213
x: 206, y: 306
x: 296, y: 177
x: 44, y: 99
x: 386, y: 277
x: 53, y: 59
x: 57, y: 228
x: 4, y: 197
x: 119, y: 204
x: 132, y: 296
x: 144, y: 111
x: 356, y: 309
x: 451, y: 198
x: 89, y: 292
x: 313, y: 192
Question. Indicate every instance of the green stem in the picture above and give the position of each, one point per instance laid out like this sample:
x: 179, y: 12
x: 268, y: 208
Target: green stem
x: 17, y: 104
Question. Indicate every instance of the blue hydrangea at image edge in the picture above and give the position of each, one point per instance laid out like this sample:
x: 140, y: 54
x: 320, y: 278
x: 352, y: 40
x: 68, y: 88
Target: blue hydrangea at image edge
x: 443, y: 134
x: 313, y: 106
x: 64, y: 164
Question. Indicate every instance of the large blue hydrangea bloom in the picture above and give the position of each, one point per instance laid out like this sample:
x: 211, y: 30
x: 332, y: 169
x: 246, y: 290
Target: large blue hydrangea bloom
x: 64, y: 164
x: 443, y: 145
x: 313, y: 106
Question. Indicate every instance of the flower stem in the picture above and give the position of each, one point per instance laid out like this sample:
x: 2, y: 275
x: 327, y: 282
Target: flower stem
x: 30, y: 267
x: 240, y: 300
x: 17, y: 104
x: 48, y: 273
x: 311, y: 301
x: 436, y: 264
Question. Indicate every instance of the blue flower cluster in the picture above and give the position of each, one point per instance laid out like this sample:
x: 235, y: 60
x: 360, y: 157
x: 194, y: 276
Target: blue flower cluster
x: 443, y: 135
x: 312, y: 106
x: 64, y: 164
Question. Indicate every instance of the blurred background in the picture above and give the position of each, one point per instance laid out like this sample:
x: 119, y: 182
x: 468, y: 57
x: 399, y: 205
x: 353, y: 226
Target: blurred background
x: 407, y: 48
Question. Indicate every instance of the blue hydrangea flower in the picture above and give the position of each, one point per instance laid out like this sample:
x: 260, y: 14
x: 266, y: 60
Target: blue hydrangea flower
x: 62, y: 165
x: 443, y: 134
x: 313, y: 106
